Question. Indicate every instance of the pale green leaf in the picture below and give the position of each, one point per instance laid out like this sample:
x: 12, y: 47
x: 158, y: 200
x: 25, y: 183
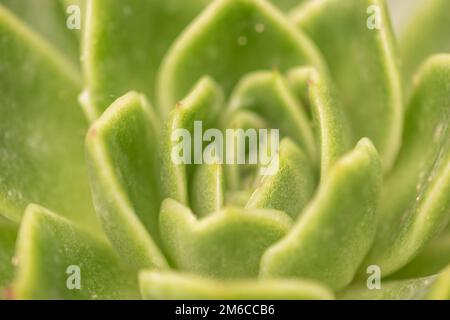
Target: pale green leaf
x: 49, y: 245
x: 226, y: 244
x: 122, y: 155
x: 231, y: 35
x: 334, y: 233
x: 330, y: 123
x: 290, y: 187
x: 41, y: 137
x: 124, y: 42
x: 202, y: 105
x: 208, y: 187
x: 176, y: 286
x: 362, y: 62
x: 48, y: 18
x: 415, y: 206
x: 412, y: 289
x: 268, y: 95
x: 8, y: 233
x: 427, y: 33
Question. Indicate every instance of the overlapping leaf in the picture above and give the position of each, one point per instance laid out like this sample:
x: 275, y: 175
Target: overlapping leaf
x: 246, y: 35
x: 342, y: 215
x: 41, y: 137
x: 48, y: 249
x: 174, y: 286
x: 420, y: 180
x: 356, y: 39
x: 226, y: 244
x: 123, y: 166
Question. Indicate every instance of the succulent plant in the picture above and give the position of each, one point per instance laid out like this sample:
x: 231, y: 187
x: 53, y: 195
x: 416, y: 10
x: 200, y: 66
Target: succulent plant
x: 92, y: 205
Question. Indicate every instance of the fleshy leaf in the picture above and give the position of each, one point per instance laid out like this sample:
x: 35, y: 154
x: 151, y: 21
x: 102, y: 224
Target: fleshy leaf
x: 202, y: 104
x: 48, y: 18
x: 440, y: 289
x: 236, y: 177
x: 291, y: 187
x: 226, y: 244
x: 124, y: 42
x: 362, y: 62
x: 8, y: 233
x: 336, y: 230
x: 426, y: 34
x: 243, y: 36
x: 413, y: 289
x: 420, y: 180
x: 431, y: 260
x: 267, y: 94
x: 209, y: 189
x: 123, y: 169
x: 41, y: 137
x: 330, y: 123
x: 177, y: 286
x: 49, y: 251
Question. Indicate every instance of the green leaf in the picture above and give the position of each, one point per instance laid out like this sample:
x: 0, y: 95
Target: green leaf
x: 238, y: 181
x: 231, y: 31
x: 426, y: 34
x: 431, y: 260
x: 176, y: 286
x: 8, y: 233
x: 339, y: 224
x: 291, y: 187
x: 440, y: 289
x: 49, y: 246
x: 202, y: 104
x: 413, y: 289
x: 41, y: 137
x: 209, y: 185
x: 421, y: 178
x: 48, y: 18
x: 268, y: 95
x: 123, y: 44
x: 330, y: 123
x: 226, y: 244
x: 123, y: 169
x: 362, y: 62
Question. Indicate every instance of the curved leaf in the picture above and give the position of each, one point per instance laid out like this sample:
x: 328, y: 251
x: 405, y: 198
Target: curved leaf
x: 231, y: 31
x: 48, y: 18
x: 421, y: 178
x: 426, y: 34
x: 8, y: 233
x: 292, y: 185
x: 123, y: 169
x: 431, y: 260
x: 208, y: 183
x: 336, y: 230
x: 369, y: 81
x: 202, y: 104
x: 176, y: 286
x: 123, y: 44
x: 49, y: 246
x: 267, y: 94
x: 413, y: 289
x: 330, y: 123
x: 226, y: 244
x: 41, y: 137
x: 440, y: 289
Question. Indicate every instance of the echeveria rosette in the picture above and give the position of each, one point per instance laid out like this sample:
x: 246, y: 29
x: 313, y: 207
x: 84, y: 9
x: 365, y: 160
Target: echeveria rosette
x: 364, y: 169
